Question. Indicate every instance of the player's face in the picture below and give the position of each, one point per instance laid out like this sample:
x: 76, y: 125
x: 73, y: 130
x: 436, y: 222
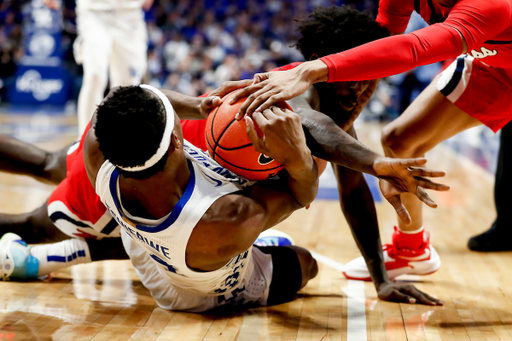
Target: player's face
x: 348, y: 93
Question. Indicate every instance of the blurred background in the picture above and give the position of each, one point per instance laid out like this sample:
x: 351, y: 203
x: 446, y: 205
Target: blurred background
x: 193, y: 47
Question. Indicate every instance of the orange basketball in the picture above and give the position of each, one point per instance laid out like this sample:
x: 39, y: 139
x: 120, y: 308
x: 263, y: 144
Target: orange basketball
x: 229, y: 145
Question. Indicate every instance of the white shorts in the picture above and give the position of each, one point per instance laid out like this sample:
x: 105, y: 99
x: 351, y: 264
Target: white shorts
x: 114, y: 41
x: 258, y: 277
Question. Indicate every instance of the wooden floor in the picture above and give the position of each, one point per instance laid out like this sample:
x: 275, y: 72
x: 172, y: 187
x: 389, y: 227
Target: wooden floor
x: 106, y: 301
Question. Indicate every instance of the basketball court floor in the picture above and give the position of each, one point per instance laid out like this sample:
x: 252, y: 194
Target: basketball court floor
x: 106, y: 301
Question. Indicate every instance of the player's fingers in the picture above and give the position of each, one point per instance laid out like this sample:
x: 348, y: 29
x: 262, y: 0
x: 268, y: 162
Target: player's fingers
x: 246, y: 92
x: 429, y: 184
x: 260, y: 77
x: 252, y: 133
x: 270, y: 100
x: 413, y: 162
x: 254, y: 96
x: 423, y: 196
x: 420, y: 296
x: 261, y: 102
x: 230, y: 86
x: 260, y: 120
x: 426, y: 172
x: 427, y: 297
x: 401, y: 297
x: 400, y: 209
x: 212, y: 102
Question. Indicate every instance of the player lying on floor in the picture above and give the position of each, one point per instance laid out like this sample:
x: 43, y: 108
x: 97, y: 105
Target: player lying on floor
x: 75, y: 220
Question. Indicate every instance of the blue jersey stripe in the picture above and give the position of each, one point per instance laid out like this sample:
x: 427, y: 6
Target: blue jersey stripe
x: 175, y: 212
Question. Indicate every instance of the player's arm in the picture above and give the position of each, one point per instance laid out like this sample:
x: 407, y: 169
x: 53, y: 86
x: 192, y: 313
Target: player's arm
x: 198, y: 108
x: 328, y: 141
x: 234, y: 222
x: 357, y: 204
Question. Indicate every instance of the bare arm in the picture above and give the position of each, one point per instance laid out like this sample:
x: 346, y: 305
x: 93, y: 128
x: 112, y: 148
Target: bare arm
x: 198, y: 108
x: 234, y: 222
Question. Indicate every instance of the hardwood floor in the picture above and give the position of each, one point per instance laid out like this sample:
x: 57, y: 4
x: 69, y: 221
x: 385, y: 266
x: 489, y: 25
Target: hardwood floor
x: 106, y: 301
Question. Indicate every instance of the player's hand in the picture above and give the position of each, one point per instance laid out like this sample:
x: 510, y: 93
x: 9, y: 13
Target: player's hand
x: 405, y: 293
x: 362, y: 102
x: 214, y: 99
x: 404, y: 176
x: 283, y: 138
x: 272, y: 87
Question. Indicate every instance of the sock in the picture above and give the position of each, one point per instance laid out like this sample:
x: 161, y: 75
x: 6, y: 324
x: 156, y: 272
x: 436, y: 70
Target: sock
x: 53, y: 257
x: 411, y: 240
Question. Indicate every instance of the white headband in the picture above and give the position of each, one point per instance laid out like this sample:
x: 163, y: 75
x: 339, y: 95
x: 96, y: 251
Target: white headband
x: 166, y: 138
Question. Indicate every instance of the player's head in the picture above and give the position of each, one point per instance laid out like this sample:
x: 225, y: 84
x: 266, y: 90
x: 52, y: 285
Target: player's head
x: 330, y: 30
x: 135, y: 128
x: 335, y: 29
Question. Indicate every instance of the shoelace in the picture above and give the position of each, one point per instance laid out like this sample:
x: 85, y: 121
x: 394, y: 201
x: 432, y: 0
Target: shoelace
x: 393, y: 252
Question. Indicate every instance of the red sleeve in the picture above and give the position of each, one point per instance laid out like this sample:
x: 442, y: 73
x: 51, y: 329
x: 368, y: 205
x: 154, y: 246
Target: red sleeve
x: 393, y: 55
x: 480, y: 20
x: 394, y: 15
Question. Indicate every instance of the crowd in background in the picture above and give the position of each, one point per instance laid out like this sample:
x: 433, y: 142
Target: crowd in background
x: 194, y: 46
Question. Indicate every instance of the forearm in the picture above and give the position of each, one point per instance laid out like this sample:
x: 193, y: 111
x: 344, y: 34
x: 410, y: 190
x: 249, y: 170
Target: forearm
x: 377, y: 60
x: 328, y: 141
x: 357, y: 204
x: 187, y: 107
x: 303, y: 180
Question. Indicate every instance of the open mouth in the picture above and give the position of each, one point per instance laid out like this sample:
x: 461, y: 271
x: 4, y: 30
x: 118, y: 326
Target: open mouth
x: 347, y: 104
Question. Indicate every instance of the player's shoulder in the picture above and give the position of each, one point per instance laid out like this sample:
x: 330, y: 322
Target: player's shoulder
x: 230, y: 226
x: 234, y: 210
x: 484, y: 8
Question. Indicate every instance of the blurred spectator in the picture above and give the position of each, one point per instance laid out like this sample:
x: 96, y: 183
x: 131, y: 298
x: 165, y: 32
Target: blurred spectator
x: 195, y: 45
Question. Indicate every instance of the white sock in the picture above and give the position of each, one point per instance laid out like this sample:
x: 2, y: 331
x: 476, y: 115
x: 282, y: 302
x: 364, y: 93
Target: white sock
x: 53, y: 257
x: 411, y: 232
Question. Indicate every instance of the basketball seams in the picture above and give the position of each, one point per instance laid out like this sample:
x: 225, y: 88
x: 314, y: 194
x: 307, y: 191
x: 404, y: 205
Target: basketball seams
x: 225, y: 129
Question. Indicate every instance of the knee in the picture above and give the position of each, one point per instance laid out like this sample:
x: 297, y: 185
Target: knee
x: 308, y: 265
x: 395, y: 144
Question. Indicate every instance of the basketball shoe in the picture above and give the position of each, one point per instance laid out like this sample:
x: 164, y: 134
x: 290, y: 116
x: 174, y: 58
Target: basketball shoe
x: 274, y: 238
x: 15, y: 259
x: 422, y: 260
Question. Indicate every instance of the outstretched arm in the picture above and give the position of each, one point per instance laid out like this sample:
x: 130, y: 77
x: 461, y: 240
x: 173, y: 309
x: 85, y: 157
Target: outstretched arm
x: 329, y: 142
x: 198, y: 108
x: 357, y: 204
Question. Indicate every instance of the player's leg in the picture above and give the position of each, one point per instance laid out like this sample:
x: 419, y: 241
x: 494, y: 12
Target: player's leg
x: 292, y: 268
x: 497, y: 238
x: 32, y: 227
x: 128, y: 61
x: 92, y: 49
x: 19, y: 261
x: 23, y: 158
x: 429, y: 120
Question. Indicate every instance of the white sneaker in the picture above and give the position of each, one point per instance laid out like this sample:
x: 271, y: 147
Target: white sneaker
x: 422, y: 261
x: 15, y: 259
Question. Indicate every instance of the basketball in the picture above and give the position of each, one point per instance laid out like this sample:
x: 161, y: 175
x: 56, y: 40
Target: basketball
x: 229, y: 145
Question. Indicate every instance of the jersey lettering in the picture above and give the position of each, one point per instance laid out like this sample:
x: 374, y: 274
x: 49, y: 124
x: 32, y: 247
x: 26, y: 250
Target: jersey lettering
x: 167, y: 266
x: 484, y: 53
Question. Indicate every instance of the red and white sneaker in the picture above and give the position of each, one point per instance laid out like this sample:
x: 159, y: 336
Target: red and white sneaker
x: 399, y: 261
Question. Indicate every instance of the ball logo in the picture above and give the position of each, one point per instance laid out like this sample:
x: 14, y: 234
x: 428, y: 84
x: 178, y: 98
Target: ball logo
x: 31, y: 81
x: 264, y: 160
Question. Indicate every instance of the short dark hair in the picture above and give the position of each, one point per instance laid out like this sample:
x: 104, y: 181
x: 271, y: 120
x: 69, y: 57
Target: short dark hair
x: 129, y: 127
x: 335, y: 29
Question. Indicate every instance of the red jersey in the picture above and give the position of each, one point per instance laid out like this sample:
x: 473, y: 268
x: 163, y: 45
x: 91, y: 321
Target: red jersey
x: 485, y: 25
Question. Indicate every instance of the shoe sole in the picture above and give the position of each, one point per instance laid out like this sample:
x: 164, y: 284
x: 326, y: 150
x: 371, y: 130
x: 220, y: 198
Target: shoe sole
x: 415, y: 269
x: 5, y: 247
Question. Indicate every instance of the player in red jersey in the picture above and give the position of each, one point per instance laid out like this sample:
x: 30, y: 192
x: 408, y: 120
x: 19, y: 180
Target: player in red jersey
x: 474, y: 90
